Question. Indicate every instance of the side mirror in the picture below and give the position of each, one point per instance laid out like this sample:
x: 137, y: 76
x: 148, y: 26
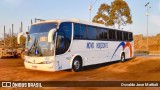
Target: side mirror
x: 50, y: 35
x: 18, y: 38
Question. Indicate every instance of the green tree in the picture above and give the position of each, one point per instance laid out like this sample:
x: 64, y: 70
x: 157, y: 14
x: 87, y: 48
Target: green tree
x: 118, y: 13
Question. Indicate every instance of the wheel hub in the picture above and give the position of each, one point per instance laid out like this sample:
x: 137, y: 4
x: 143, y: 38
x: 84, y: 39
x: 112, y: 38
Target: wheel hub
x: 77, y: 64
x: 122, y: 58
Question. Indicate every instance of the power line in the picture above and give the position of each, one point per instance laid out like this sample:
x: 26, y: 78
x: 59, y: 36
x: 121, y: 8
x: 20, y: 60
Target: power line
x: 94, y: 2
x: 90, y: 8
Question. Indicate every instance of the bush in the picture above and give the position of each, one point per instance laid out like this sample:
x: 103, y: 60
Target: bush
x: 141, y: 52
x: 158, y: 35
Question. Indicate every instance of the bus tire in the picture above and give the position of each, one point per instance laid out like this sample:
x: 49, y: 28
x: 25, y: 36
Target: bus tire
x: 77, y: 64
x: 123, y: 57
x: 15, y: 56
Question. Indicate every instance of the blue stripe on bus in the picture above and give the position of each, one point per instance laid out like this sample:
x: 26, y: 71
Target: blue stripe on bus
x: 121, y: 44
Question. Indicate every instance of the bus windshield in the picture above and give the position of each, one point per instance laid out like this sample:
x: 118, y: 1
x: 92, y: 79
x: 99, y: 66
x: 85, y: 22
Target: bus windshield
x: 42, y: 28
x: 37, y: 40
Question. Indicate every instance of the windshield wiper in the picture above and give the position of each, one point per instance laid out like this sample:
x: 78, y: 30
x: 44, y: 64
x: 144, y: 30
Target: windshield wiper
x: 29, y: 51
x: 35, y: 48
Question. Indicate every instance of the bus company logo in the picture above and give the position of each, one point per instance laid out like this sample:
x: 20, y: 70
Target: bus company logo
x: 90, y: 45
x: 99, y: 45
x: 35, y: 67
x: 124, y: 45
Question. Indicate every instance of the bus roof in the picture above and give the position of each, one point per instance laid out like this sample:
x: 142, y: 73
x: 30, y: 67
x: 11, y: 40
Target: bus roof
x: 77, y: 21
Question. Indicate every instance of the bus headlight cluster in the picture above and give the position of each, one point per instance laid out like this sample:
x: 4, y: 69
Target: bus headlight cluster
x: 26, y: 61
x: 47, y: 62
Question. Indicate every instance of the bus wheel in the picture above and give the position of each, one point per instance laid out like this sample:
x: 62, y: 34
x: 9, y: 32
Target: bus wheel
x: 77, y: 64
x: 15, y: 56
x: 123, y: 57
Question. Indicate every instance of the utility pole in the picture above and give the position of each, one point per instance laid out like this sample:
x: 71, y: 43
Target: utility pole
x: 28, y: 28
x: 12, y: 35
x: 12, y: 29
x: 4, y: 36
x: 35, y: 20
x: 21, y: 27
x: 31, y: 22
x: 147, y: 14
x: 90, y: 9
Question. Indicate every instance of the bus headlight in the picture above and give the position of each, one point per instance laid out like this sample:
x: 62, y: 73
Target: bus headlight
x: 26, y: 61
x: 47, y: 62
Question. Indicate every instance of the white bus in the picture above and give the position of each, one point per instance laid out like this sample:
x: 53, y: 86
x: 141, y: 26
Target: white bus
x: 71, y: 44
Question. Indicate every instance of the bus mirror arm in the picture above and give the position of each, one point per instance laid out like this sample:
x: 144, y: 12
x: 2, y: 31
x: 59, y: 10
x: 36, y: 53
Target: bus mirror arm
x: 50, y: 35
x: 18, y: 38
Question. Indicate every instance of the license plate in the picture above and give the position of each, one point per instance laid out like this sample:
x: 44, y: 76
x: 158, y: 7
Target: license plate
x: 35, y: 67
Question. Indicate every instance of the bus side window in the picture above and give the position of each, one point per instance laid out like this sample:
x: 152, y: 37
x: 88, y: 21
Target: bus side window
x: 83, y: 32
x: 112, y: 34
x: 92, y: 33
x: 63, y: 38
x: 119, y: 36
x: 125, y: 36
x: 77, y: 31
x: 97, y: 35
x: 103, y: 34
x: 60, y: 47
x: 130, y: 37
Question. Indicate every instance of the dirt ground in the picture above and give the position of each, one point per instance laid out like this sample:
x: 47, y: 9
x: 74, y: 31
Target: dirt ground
x: 140, y: 68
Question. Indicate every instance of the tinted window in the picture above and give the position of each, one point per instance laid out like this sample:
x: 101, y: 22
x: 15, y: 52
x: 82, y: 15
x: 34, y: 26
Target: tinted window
x: 125, y: 36
x: 92, y: 32
x: 64, y: 37
x: 112, y: 34
x: 130, y: 37
x: 106, y: 34
x: 34, y: 29
x: 119, y: 35
x: 103, y: 34
x: 79, y: 31
x: 83, y: 32
x: 41, y: 28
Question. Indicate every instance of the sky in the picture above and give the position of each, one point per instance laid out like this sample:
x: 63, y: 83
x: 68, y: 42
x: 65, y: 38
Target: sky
x: 15, y: 11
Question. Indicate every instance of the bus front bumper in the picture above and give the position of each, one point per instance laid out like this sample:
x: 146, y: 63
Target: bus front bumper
x: 40, y: 63
x: 41, y: 67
